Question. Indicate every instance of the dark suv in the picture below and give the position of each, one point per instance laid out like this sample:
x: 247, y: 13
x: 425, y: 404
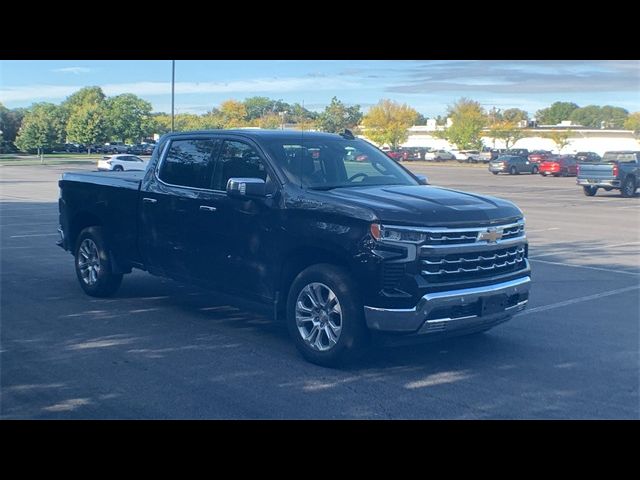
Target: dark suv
x: 589, y: 157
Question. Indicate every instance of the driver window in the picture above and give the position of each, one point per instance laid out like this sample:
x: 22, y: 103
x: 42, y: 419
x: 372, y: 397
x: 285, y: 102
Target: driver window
x: 237, y: 159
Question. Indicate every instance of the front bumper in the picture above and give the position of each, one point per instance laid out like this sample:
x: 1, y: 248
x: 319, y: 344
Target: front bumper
x: 465, y: 309
x: 591, y: 182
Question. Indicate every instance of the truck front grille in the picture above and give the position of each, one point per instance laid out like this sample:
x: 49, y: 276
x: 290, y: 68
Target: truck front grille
x: 467, y: 266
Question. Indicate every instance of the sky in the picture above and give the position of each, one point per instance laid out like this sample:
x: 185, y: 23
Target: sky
x: 427, y: 86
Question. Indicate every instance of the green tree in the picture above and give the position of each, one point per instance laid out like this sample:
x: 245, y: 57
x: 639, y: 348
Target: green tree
x: 633, y: 123
x: 337, y: 116
x: 10, y: 121
x: 467, y: 121
x: 257, y: 107
x: 270, y: 120
x: 43, y: 127
x: 514, y: 115
x: 127, y: 117
x: 84, y: 96
x: 388, y: 122
x: 87, y: 125
x: 556, y: 113
x: 560, y: 138
x: 233, y: 114
x: 508, y: 132
x: 589, y: 116
x: 614, y: 117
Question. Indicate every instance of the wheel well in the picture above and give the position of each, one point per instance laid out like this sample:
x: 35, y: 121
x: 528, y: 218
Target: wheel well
x: 300, y: 259
x: 80, y: 222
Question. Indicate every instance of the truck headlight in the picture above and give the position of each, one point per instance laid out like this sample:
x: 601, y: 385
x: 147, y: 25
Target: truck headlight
x: 382, y: 233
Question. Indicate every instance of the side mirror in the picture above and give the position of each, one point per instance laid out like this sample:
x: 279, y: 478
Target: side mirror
x: 246, y: 187
x: 422, y: 179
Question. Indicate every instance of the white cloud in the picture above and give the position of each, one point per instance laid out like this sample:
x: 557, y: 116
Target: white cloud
x: 74, y: 70
x: 265, y: 85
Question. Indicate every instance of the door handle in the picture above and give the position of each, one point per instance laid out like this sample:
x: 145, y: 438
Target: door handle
x: 207, y: 208
x: 149, y: 200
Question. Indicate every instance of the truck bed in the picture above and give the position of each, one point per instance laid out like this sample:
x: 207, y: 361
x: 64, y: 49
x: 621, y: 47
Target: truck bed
x: 112, y: 197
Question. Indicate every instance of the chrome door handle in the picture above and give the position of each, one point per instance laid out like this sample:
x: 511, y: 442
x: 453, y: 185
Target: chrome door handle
x: 206, y: 208
x: 149, y: 200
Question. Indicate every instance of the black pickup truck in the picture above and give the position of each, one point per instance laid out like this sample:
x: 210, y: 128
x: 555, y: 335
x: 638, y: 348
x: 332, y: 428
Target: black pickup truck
x: 325, y: 230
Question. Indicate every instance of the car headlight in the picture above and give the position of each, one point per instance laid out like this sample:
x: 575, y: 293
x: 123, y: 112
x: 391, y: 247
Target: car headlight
x: 382, y: 233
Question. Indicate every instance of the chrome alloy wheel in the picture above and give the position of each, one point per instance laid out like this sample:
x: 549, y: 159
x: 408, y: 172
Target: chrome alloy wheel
x: 318, y: 316
x: 89, y: 261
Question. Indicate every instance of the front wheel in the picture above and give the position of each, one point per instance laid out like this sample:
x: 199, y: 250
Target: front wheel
x: 534, y: 170
x: 325, y: 316
x: 513, y: 170
x: 628, y: 188
x: 93, y: 264
x: 495, y: 173
x: 590, y: 191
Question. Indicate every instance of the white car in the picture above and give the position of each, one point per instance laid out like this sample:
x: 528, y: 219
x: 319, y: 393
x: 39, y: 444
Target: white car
x: 119, y: 163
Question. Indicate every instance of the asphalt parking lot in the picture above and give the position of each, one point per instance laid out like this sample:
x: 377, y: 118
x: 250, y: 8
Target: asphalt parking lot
x: 160, y: 349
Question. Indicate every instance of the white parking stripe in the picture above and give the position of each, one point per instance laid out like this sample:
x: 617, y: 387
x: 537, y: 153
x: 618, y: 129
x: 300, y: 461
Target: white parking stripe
x: 585, y: 266
x: 543, y: 229
x: 35, y: 235
x: 578, y: 300
x: 584, y: 248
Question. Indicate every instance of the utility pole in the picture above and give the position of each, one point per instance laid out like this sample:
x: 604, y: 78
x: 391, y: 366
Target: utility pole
x: 173, y: 90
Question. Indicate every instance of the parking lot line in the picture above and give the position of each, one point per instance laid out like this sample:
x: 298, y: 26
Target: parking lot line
x: 586, y: 298
x: 585, y: 248
x: 585, y: 266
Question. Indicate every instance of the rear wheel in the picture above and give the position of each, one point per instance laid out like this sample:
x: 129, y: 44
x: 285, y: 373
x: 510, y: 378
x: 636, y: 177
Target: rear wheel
x: 93, y: 264
x: 513, y: 170
x: 325, y: 317
x: 495, y: 173
x: 628, y: 188
x: 589, y: 191
x: 534, y: 170
x: 118, y: 168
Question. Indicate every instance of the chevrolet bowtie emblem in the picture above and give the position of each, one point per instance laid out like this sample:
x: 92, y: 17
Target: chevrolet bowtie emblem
x: 492, y: 235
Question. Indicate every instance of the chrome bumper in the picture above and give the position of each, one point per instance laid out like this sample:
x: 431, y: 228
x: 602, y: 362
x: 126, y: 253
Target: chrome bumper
x: 598, y: 183
x: 416, y: 320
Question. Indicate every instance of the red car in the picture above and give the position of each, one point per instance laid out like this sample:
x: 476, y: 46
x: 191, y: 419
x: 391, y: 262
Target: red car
x: 559, y: 166
x: 539, y: 156
x: 396, y: 155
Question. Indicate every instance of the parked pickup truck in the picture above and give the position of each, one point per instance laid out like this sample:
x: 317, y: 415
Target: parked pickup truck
x: 338, y: 247
x: 616, y: 170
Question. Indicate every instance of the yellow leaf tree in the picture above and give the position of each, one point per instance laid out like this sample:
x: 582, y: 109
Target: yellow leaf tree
x: 388, y: 122
x: 234, y: 114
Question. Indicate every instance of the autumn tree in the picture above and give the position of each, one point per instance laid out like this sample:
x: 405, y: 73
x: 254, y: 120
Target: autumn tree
x: 389, y: 122
x: 560, y: 138
x: 233, y: 114
x: 508, y: 132
x: 467, y: 121
x: 87, y: 125
x: 633, y: 123
x: 514, y: 115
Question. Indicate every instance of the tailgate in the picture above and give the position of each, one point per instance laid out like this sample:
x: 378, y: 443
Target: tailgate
x: 596, y: 171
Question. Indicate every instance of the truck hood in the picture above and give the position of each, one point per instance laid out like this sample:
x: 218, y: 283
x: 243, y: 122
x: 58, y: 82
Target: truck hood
x: 426, y: 205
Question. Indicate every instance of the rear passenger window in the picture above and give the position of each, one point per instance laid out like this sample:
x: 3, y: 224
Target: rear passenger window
x: 189, y: 163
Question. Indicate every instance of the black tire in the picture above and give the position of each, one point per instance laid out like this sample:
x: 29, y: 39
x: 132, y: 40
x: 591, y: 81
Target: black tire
x: 534, y: 170
x: 565, y: 173
x: 106, y: 282
x: 607, y: 189
x: 589, y: 191
x: 118, y: 168
x: 513, y: 170
x: 495, y: 173
x: 628, y: 187
x: 354, y: 337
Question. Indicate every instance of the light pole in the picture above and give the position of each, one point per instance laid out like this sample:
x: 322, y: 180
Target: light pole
x: 173, y: 89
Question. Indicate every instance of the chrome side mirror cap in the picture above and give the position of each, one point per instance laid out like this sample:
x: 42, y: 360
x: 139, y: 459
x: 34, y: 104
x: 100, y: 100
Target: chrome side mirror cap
x: 246, y: 187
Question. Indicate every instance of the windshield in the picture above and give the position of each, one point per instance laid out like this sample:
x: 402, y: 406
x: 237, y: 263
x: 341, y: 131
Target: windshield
x: 326, y: 163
